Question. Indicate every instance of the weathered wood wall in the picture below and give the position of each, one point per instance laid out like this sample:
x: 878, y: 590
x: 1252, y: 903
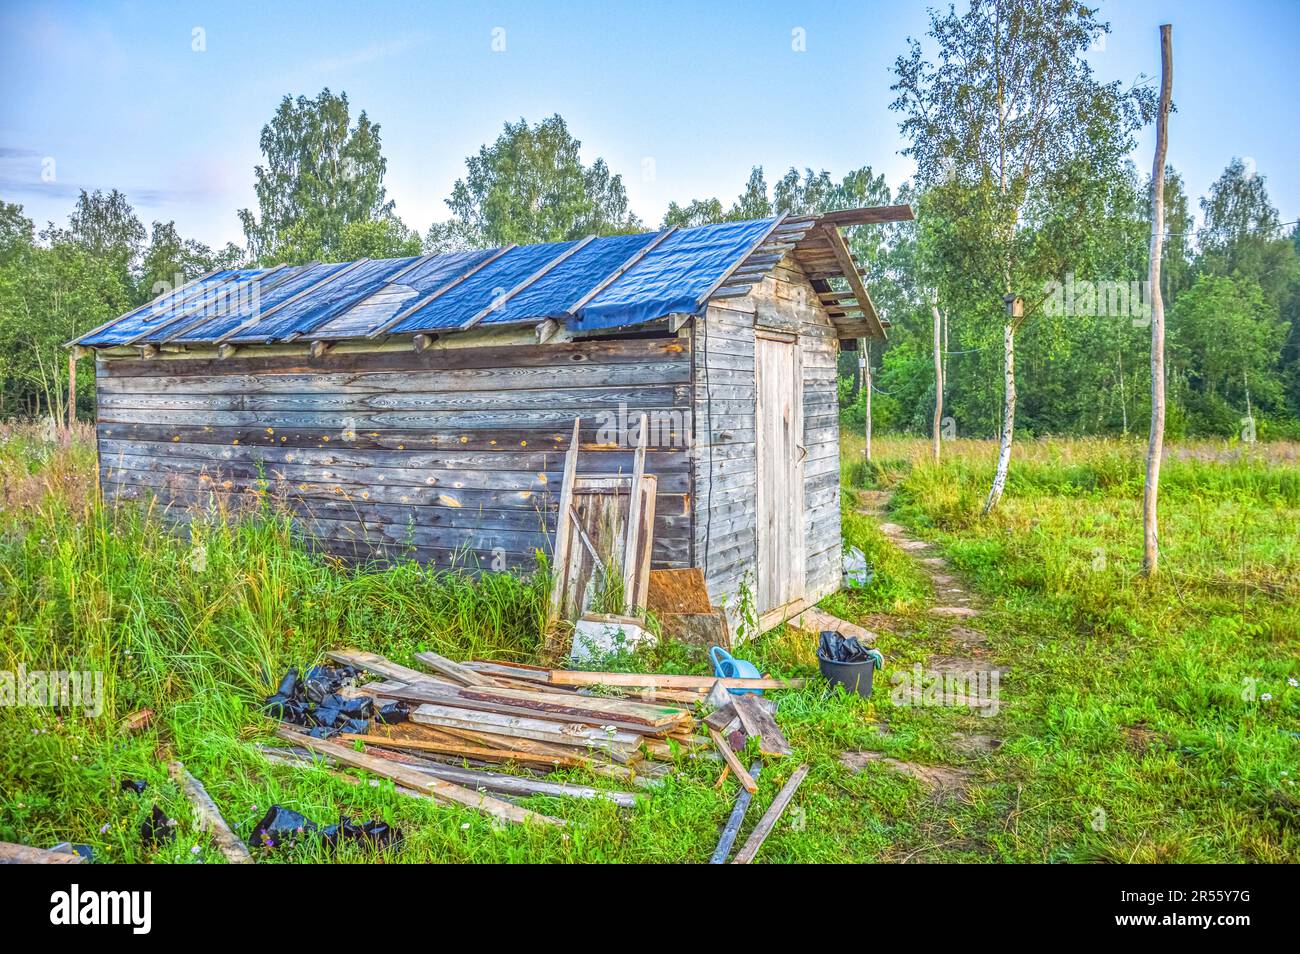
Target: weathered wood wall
x: 725, y: 459
x: 451, y: 456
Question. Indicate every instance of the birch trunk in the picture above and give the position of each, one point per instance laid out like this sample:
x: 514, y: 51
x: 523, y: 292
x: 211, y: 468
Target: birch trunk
x: 1008, y: 415
x: 1156, y: 441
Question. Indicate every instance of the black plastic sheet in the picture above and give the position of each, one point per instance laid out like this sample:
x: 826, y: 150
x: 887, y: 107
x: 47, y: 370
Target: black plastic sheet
x: 157, y: 829
x: 393, y: 712
x: 282, y: 827
x: 834, y: 647
x: 313, y: 702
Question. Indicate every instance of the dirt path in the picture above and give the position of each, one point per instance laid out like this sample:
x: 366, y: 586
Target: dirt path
x: 964, y: 661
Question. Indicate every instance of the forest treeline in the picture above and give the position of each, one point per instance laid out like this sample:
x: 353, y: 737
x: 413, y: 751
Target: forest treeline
x: 1048, y: 206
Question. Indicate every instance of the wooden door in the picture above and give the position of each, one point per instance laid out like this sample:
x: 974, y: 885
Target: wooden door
x: 780, y: 452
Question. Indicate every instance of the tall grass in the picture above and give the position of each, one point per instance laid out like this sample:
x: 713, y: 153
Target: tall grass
x: 1199, y: 665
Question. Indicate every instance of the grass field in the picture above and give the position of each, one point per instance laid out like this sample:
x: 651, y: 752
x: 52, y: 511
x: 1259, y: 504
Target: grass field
x: 1143, y: 721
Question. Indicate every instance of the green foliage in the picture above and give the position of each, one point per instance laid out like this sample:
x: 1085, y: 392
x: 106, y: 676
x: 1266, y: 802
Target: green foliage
x: 321, y: 173
x: 531, y: 186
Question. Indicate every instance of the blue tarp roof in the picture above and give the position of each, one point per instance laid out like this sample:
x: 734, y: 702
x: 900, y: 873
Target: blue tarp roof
x: 356, y: 300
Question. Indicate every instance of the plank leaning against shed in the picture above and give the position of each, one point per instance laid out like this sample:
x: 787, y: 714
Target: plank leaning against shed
x: 422, y: 407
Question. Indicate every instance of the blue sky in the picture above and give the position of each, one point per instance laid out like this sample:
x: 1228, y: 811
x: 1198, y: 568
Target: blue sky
x: 682, y: 98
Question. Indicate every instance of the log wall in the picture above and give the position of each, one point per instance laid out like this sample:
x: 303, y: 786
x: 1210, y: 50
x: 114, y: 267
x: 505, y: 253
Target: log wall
x: 451, y: 456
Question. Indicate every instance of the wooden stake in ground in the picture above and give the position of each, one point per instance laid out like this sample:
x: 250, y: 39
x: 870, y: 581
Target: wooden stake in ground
x: 72, y: 386
x: 1156, y: 441
x: 864, y: 344
x: 209, y: 817
x: 770, y: 817
x: 938, y: 376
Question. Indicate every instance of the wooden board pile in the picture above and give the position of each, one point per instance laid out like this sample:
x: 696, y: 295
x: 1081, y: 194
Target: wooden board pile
x: 470, y: 719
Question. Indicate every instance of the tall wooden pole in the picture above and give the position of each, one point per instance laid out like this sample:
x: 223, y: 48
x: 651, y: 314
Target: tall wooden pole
x: 72, y: 387
x: 866, y: 383
x: 938, y: 376
x: 1156, y: 441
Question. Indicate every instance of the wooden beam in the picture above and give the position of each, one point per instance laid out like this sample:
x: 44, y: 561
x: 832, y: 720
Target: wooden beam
x: 770, y: 818
x: 410, y: 778
x: 729, y: 756
x: 619, y: 272
x: 546, y: 330
x: 535, y: 276
x: 875, y: 215
x: 565, y: 677
x: 465, y: 750
x: 850, y: 272
x: 208, y: 816
x: 318, y: 348
x: 563, y: 532
x: 453, y: 670
x: 631, y: 539
x: 422, y: 343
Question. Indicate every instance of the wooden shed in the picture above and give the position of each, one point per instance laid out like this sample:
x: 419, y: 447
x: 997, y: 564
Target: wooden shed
x: 423, y: 407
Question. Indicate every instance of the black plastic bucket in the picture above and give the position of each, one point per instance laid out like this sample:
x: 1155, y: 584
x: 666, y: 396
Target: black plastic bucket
x: 853, y: 676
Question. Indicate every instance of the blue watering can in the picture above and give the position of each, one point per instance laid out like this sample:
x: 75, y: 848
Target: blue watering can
x: 727, y: 666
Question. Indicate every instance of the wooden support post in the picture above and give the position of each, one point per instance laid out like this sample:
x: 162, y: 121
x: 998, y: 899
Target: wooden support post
x: 866, y: 383
x: 72, y: 386
x: 632, y: 541
x: 563, y: 532
x: 938, y: 376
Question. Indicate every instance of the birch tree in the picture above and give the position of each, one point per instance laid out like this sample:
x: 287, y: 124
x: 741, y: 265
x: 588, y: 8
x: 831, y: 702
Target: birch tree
x: 1009, y: 104
x: 1156, y: 440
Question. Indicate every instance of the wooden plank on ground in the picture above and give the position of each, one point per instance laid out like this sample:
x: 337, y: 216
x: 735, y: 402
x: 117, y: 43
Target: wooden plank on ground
x: 758, y: 723
x: 515, y: 785
x: 770, y: 818
x: 721, y: 717
x: 489, y: 753
x: 377, y: 664
x: 565, y: 709
x: 729, y: 756
x: 12, y: 854
x: 402, y: 775
x: 209, y: 816
x: 620, y: 745
x: 454, y: 670
x: 565, y: 677
x: 734, y: 820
